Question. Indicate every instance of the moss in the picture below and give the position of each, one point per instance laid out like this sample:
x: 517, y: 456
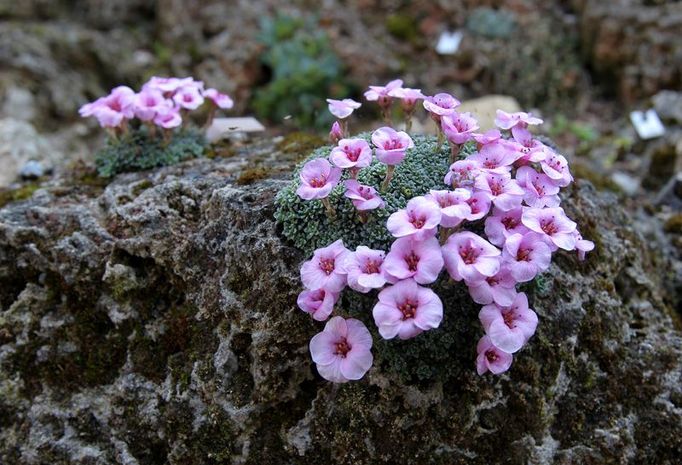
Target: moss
x: 251, y: 175
x: 661, y: 166
x: 674, y: 224
x: 300, y: 143
x: 402, y: 26
x: 599, y: 181
x: 21, y: 193
x: 142, y: 186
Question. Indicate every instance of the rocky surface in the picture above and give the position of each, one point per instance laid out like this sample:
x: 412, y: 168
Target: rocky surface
x: 153, y: 320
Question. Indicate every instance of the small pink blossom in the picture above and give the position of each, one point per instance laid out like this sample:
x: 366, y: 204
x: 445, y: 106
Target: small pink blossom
x: 188, y: 97
x: 149, y: 103
x: 351, y: 153
x: 326, y: 269
x: 505, y: 120
x: 364, y: 197
x: 365, y: 269
x: 526, y: 256
x: 335, y: 134
x: 502, y: 224
x: 539, y: 189
x: 458, y: 127
x: 582, y: 245
x: 509, y: 328
x: 470, y: 257
x: 219, y: 99
x: 391, y: 145
x: 168, y: 85
x: 342, y: 352
x: 441, y: 105
x: 406, y: 309
x: 490, y: 358
x: 113, y: 109
x: 452, y: 204
x: 168, y: 119
x: 553, y: 225
x: 419, y: 218
x: 319, y: 303
x: 555, y: 167
x: 382, y: 94
x: 343, y: 108
x: 531, y: 150
x: 462, y: 173
x: 410, y: 258
x: 318, y: 178
x: 408, y: 97
x: 500, y: 289
x: 504, y: 192
x: 488, y: 137
x: 495, y: 157
x: 479, y: 204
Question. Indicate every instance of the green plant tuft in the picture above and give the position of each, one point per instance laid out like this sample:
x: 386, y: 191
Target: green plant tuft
x: 138, y: 151
x: 306, y: 224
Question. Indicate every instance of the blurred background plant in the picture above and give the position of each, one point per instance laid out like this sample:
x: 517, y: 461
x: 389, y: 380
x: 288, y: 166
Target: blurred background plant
x: 304, y: 70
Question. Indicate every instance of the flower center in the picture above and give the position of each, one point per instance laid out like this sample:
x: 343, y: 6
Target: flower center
x: 523, y: 255
x: 187, y: 98
x: 115, y: 105
x: 342, y: 348
x: 393, y: 144
x: 491, y: 355
x: 365, y: 193
x: 372, y: 267
x: 418, y: 222
x: 509, y: 222
x: 352, y: 154
x: 408, y: 309
x: 468, y: 254
x: 412, y: 261
x: 318, y: 182
x: 327, y: 265
x: 509, y: 319
x: 495, y: 187
x: 493, y: 280
x: 539, y: 188
x: 548, y: 226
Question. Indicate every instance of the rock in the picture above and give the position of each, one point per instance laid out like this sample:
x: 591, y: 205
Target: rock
x: 154, y: 321
x: 19, y: 145
x: 486, y: 107
x: 668, y: 105
x: 32, y: 170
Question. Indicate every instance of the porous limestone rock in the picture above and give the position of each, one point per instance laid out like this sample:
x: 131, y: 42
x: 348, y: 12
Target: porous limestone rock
x: 154, y: 321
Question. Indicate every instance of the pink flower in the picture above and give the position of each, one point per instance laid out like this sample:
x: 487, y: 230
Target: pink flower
x: 406, y: 309
x: 539, y: 189
x: 363, y: 197
x: 168, y: 119
x: 582, y: 245
x: 458, y: 127
x: 343, y: 108
x: 506, y: 120
x: 168, y: 86
x: 504, y: 192
x: 391, y: 145
x: 487, y: 137
x: 555, y: 167
x: 500, y: 288
x: 148, y: 103
x: 219, y: 99
x: 319, y: 303
x: 496, y: 157
x: 490, y: 358
x: 325, y: 270
x: 531, y: 150
x: 335, y: 134
x: 553, y: 225
x: 410, y: 258
x: 526, y: 255
x: 470, y: 257
x: 441, y: 105
x: 502, y: 224
x: 462, y: 173
x: 365, y: 269
x: 509, y: 327
x: 318, y: 178
x: 111, y: 110
x: 188, y: 97
x: 342, y: 352
x: 453, y: 206
x: 351, y: 153
x: 382, y: 94
x: 419, y: 219
x: 408, y: 97
x: 479, y: 204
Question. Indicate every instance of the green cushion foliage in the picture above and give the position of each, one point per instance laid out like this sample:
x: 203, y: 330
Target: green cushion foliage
x: 138, y: 151
x: 306, y: 224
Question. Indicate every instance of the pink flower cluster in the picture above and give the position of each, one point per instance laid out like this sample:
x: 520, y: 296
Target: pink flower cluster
x: 161, y: 101
x: 510, y: 186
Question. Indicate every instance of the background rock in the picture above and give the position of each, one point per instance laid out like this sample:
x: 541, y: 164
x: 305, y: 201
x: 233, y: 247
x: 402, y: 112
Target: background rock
x: 153, y: 320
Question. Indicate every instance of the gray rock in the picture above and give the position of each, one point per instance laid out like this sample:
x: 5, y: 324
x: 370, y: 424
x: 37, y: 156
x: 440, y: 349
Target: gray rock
x: 668, y: 105
x: 155, y: 322
x: 32, y: 169
x: 19, y: 145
